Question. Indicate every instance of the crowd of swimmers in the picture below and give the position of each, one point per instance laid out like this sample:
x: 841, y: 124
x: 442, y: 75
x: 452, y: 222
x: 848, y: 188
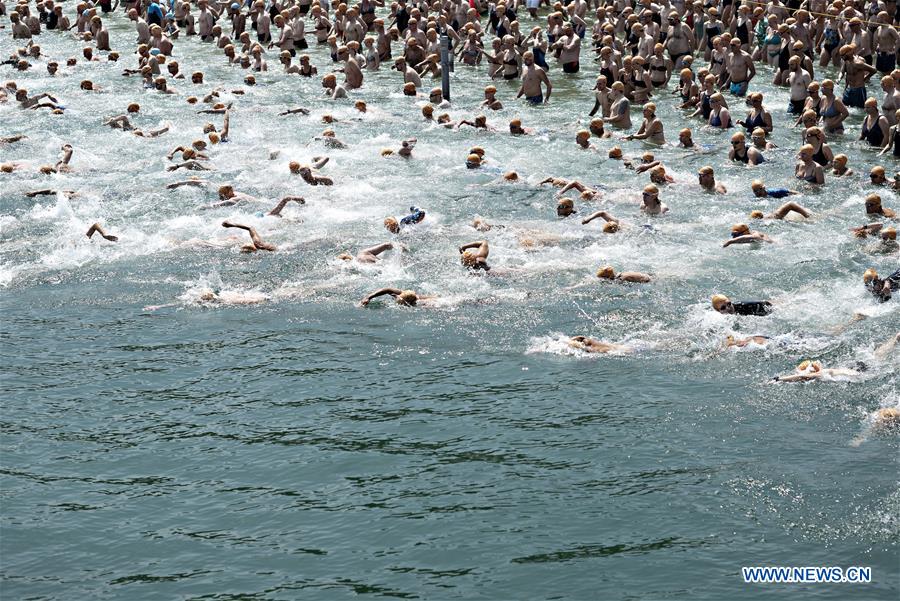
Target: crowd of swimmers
x: 702, y: 58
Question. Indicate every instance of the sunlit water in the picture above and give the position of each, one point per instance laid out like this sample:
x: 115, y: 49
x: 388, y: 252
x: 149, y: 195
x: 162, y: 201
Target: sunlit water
x: 306, y: 447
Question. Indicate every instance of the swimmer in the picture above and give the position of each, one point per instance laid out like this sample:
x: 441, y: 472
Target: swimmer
x: 611, y: 226
x: 407, y: 298
x: 707, y: 179
x: 877, y: 176
x: 873, y: 207
x: 480, y: 122
x: 13, y: 139
x: 867, y: 230
x: 650, y: 202
x: 590, y: 345
x: 783, y: 211
x: 368, y: 255
x: 607, y: 273
x: 886, y: 349
x: 229, y: 197
x: 190, y: 164
x: 310, y: 174
x: 194, y: 181
x: 276, y: 210
x: 881, y: 289
x: 516, y: 129
x: 813, y: 370
x: 723, y: 304
x: 490, y: 99
x: 565, y: 207
x: 582, y: 139
x: 840, y: 168
x: 258, y: 243
x: 406, y: 148
x: 295, y: 111
x: 329, y: 139
x: 478, y: 259
x: 731, y: 341
x: 96, y: 228
x: 48, y: 192
x: 742, y: 234
x: 587, y: 192
x: 760, y: 191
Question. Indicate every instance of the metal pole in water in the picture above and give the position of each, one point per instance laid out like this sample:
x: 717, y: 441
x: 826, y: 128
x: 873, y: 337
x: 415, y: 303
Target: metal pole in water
x: 445, y: 65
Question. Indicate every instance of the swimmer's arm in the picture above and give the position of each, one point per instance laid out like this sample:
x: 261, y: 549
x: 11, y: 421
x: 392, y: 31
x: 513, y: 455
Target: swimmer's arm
x: 191, y: 182
x: 606, y: 216
x: 747, y: 239
x: 644, y: 167
x: 96, y: 228
x: 300, y: 110
x: 465, y: 247
x: 382, y: 292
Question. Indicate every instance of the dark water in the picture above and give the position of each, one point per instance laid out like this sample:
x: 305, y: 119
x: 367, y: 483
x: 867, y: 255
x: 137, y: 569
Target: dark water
x: 301, y: 450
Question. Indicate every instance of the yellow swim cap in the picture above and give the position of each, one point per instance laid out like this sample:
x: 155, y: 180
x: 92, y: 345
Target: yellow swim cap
x: 719, y: 301
x: 606, y: 272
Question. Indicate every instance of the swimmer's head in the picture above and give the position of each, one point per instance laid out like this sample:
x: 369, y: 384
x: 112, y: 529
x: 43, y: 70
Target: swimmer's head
x: 610, y: 227
x: 87, y: 84
x: 197, y: 77
x: 606, y: 272
x: 759, y: 189
x: 469, y: 259
x: 428, y: 111
x: 250, y: 80
x: 226, y: 192
x: 407, y: 297
x: 870, y: 275
x: 889, y: 233
x: 658, y: 175
x: 615, y: 152
x: 756, y: 214
x: 409, y: 89
x: 565, y: 207
x: 511, y: 176
x: 134, y: 107
x: 582, y: 137
x: 721, y: 303
x: 877, y: 175
x: 739, y: 229
x: 199, y: 144
x: 214, y: 137
x: 360, y: 106
x: 873, y: 204
x: 596, y: 126
x: 387, y: 152
x: 345, y: 257
x: 294, y: 167
x: 192, y: 100
x: 840, y: 159
x: 391, y: 225
x: 473, y: 161
x: 651, y: 190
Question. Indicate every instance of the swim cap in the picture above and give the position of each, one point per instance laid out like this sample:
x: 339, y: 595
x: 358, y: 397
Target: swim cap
x: 134, y: 107
x: 719, y: 301
x: 740, y: 229
x: 756, y: 214
x: 610, y: 227
x: 511, y: 176
x: 477, y: 150
x: 407, y: 297
x: 469, y: 259
x: 155, y: 52
x: 565, y: 203
x: 391, y: 224
x: 606, y: 272
x: 889, y: 233
x: 615, y: 152
x: 294, y: 167
x: 869, y: 275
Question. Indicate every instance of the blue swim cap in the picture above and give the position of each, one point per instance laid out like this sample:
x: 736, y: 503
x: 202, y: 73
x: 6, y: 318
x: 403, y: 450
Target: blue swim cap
x: 155, y: 51
x: 235, y: 5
